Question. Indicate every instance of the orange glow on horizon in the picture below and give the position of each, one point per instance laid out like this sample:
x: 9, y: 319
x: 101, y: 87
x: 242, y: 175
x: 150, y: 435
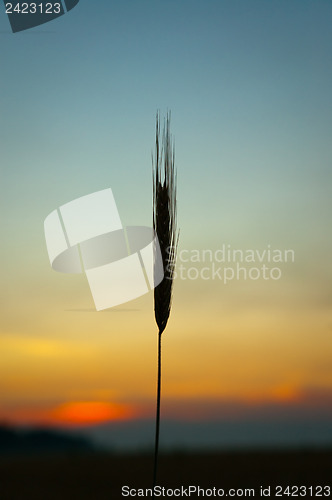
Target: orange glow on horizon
x: 84, y: 413
x: 69, y: 414
x: 89, y: 413
x: 282, y: 394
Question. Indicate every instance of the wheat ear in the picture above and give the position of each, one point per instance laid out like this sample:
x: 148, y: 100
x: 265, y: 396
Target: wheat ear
x: 164, y: 224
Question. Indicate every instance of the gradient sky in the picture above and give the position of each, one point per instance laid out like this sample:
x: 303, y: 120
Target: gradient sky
x: 249, y: 87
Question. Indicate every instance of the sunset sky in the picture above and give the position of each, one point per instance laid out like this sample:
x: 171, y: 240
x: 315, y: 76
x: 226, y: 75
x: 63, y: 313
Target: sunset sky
x: 249, y: 87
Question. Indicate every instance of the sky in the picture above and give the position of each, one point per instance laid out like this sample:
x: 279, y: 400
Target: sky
x: 248, y: 84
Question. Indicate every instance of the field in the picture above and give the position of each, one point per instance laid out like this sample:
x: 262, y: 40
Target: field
x: 96, y: 476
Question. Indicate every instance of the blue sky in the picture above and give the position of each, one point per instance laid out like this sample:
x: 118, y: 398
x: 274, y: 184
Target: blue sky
x: 248, y: 84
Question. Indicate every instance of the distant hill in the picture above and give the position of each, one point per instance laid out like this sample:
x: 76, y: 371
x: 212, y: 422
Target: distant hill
x: 13, y: 441
x: 272, y: 433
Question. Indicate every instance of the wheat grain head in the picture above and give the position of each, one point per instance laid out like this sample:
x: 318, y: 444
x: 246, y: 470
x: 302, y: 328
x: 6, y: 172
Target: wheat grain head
x: 164, y: 219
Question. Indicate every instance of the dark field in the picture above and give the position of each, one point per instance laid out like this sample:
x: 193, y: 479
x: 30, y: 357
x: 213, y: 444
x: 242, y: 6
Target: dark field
x: 99, y: 476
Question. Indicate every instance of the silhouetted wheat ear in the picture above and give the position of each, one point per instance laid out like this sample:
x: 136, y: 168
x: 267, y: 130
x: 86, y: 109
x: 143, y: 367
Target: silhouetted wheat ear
x: 164, y: 220
x: 164, y: 224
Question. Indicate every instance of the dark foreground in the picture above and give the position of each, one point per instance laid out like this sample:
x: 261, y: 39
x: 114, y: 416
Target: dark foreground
x: 92, y: 476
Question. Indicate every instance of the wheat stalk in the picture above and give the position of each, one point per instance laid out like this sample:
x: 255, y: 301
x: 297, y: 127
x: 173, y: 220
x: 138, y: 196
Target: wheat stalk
x: 164, y: 224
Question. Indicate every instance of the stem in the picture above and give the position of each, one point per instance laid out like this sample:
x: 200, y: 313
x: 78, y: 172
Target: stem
x: 157, y: 414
